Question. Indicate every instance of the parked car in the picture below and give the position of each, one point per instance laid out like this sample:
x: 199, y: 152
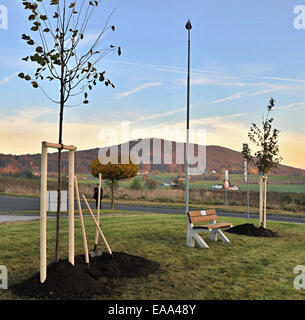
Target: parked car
x: 217, y: 186
x: 234, y: 187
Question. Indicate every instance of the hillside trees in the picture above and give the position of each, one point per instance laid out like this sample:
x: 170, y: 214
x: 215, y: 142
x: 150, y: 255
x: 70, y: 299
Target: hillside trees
x: 151, y: 184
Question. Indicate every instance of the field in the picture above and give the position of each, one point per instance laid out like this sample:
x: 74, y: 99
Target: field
x: 246, y: 268
x: 275, y: 183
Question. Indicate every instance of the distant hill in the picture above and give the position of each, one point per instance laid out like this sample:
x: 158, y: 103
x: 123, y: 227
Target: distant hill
x: 218, y: 158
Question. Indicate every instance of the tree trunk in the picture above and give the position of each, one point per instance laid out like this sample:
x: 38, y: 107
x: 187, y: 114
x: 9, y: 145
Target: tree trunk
x: 260, y: 200
x: 265, y: 203
x: 248, y: 197
x: 58, y: 189
x: 62, y: 102
x: 112, y: 194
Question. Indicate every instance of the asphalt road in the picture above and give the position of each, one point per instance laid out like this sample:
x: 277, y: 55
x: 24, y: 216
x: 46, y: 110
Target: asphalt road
x: 13, y: 204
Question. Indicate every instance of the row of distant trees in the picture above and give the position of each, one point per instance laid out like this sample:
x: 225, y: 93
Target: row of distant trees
x: 20, y: 174
x: 150, y: 184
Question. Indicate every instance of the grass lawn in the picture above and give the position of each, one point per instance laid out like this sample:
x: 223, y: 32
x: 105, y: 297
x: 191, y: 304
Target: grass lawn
x: 246, y: 268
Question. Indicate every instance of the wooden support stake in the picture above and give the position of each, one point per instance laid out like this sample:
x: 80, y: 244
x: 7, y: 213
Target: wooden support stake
x: 43, y: 214
x: 81, y: 221
x: 98, y: 227
x: 262, y: 200
x: 98, y: 207
x: 71, y: 207
x: 58, y: 146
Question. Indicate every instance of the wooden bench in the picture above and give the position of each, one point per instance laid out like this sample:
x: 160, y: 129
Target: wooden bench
x: 213, y: 228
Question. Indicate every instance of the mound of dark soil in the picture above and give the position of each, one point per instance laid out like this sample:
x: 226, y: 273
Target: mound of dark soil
x: 249, y: 229
x: 65, y: 281
x: 120, y: 265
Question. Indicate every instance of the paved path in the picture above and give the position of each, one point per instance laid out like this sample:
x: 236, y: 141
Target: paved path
x: 15, y: 203
x: 13, y: 218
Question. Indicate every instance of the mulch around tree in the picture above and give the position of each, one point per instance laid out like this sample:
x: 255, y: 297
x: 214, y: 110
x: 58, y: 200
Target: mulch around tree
x: 249, y: 229
x: 67, y: 282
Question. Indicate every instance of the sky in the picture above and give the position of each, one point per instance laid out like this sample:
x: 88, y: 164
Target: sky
x: 242, y: 54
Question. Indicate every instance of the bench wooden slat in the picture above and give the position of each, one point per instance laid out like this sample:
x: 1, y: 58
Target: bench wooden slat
x: 198, y: 213
x: 214, y: 225
x: 203, y: 218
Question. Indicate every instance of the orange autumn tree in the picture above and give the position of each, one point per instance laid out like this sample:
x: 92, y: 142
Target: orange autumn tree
x: 114, y: 172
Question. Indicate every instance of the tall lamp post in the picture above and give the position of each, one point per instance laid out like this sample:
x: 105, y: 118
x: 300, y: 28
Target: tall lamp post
x: 188, y: 27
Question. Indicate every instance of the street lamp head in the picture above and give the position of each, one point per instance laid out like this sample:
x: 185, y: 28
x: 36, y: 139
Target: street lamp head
x: 188, y: 25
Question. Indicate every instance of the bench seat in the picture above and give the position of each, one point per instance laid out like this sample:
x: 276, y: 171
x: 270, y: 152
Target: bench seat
x: 213, y: 226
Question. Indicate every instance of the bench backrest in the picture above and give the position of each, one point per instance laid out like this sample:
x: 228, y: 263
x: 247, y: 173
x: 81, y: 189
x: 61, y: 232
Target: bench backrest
x: 201, y: 216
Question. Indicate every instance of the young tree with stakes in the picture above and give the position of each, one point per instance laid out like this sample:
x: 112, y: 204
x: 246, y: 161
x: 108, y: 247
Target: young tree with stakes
x: 59, y: 28
x: 114, y: 172
x: 267, y: 156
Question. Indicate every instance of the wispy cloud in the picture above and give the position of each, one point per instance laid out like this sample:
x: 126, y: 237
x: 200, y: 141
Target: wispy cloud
x: 8, y: 78
x: 140, y: 88
x: 164, y: 68
x: 233, y: 97
x: 283, y: 79
x: 292, y: 106
x: 272, y: 89
x: 242, y: 94
x: 161, y: 115
x: 88, y: 39
x: 215, y: 81
x: 36, y: 112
